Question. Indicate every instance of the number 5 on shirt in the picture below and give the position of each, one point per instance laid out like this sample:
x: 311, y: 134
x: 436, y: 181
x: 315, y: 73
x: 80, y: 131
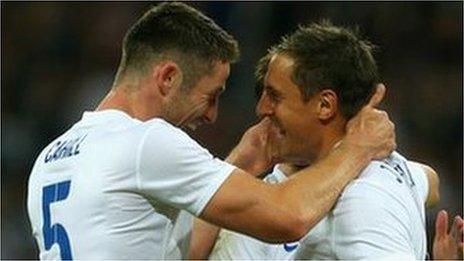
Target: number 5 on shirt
x: 55, y: 233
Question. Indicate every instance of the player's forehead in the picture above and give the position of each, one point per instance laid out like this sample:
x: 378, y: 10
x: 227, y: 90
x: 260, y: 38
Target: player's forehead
x: 279, y: 71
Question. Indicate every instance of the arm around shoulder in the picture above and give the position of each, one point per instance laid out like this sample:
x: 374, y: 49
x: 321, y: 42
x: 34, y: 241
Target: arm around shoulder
x: 250, y: 206
x: 284, y: 212
x: 203, y: 239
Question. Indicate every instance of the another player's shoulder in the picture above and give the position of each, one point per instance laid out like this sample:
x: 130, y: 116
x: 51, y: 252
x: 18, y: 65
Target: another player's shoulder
x: 387, y: 176
x: 394, y: 169
x: 392, y: 178
x: 431, y: 174
x: 433, y: 182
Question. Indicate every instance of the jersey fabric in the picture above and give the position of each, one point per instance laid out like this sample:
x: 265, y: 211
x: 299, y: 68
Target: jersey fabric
x: 234, y: 246
x: 111, y: 187
x: 379, y: 215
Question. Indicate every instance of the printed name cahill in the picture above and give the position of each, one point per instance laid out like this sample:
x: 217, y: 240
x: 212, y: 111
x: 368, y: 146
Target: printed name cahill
x: 64, y: 149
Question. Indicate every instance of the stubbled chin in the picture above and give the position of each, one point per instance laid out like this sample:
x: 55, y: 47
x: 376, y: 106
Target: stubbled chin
x: 276, y: 140
x: 192, y: 126
x: 275, y: 133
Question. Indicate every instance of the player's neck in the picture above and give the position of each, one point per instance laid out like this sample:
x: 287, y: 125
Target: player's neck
x: 330, y: 139
x: 133, y: 101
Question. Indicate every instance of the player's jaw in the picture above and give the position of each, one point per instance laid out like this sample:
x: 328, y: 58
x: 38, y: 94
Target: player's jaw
x: 193, y: 117
x: 276, y: 129
x: 288, y: 144
x: 277, y: 135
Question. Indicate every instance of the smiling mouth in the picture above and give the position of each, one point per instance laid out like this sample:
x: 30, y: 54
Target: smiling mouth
x: 276, y: 130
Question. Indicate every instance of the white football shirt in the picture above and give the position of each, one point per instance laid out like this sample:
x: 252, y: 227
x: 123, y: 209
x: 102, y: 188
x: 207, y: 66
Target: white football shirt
x: 235, y: 246
x: 380, y: 215
x: 111, y: 188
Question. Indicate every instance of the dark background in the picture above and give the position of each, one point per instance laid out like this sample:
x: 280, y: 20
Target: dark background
x: 58, y: 59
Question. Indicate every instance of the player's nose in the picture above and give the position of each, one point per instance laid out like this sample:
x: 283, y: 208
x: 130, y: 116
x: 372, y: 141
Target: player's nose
x: 264, y: 106
x: 211, y: 114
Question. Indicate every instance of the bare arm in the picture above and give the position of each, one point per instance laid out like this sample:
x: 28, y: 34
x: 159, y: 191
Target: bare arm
x: 202, y: 240
x: 285, y: 212
x: 243, y: 200
x: 244, y: 156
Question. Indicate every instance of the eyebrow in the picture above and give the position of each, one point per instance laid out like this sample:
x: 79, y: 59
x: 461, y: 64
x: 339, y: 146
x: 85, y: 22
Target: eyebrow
x: 272, y: 89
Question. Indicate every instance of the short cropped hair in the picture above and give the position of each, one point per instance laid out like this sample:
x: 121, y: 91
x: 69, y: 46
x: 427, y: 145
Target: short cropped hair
x: 329, y: 57
x: 176, y: 31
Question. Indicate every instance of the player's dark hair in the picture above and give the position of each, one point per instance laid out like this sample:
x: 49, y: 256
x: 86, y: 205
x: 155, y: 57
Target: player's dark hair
x: 178, y: 32
x: 260, y: 73
x: 329, y: 57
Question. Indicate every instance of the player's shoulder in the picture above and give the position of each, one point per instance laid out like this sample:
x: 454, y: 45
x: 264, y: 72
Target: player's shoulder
x: 394, y: 169
x: 385, y: 175
x: 164, y: 129
x: 431, y: 183
x: 393, y: 176
x: 56, y: 148
x: 163, y: 137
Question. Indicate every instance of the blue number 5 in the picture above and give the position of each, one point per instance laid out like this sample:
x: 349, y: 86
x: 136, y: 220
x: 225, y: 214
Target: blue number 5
x: 55, y: 233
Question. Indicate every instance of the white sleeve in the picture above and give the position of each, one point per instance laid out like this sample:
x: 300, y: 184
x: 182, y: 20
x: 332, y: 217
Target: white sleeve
x: 174, y: 169
x: 370, y: 224
x: 420, y: 179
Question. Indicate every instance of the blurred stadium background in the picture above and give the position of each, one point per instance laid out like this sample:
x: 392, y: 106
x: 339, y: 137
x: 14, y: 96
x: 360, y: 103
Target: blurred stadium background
x: 58, y: 59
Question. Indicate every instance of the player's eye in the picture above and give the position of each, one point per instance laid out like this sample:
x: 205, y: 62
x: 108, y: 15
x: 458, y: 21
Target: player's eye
x: 273, y: 95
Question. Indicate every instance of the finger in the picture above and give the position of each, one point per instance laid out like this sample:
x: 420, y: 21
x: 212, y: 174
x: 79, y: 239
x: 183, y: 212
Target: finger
x: 263, y: 120
x: 460, y: 229
x: 454, y: 228
x: 441, y: 224
x: 460, y: 238
x: 378, y: 95
x: 460, y: 222
x: 262, y: 126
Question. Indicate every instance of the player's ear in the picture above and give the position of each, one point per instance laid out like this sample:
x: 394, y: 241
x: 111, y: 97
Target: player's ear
x: 168, y: 76
x: 328, y: 105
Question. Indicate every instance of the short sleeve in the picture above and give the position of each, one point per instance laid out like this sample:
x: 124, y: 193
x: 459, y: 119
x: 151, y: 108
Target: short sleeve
x: 420, y: 179
x: 369, y: 224
x: 176, y: 170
